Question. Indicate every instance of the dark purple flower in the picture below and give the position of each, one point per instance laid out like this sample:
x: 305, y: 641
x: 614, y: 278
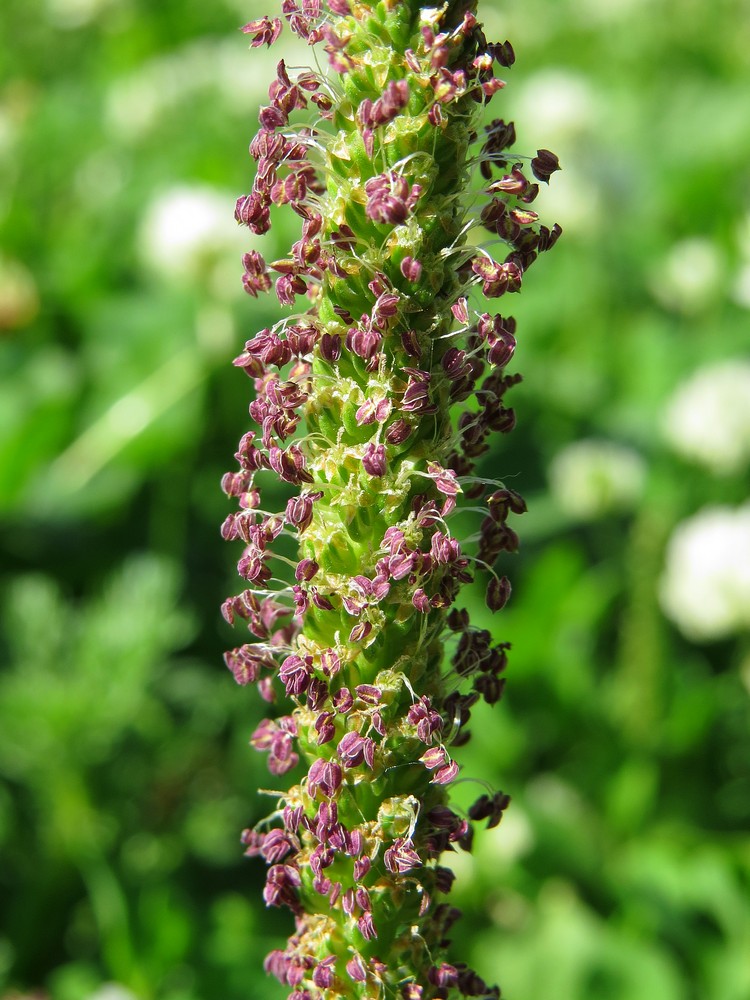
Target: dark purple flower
x: 362, y: 867
x: 325, y: 728
x: 324, y: 974
x: 306, y: 570
x: 398, y: 432
x: 366, y: 927
x: 277, y: 737
x: 295, y: 674
x: 373, y: 460
x: 498, y: 593
x: 256, y: 278
x: 421, y: 601
x: 368, y: 693
x: 276, y: 845
x: 324, y: 775
x: 330, y: 347
x: 360, y: 632
x: 401, y: 857
x: 455, y: 364
x: 502, y: 349
x: 435, y: 757
x: 355, y: 749
x: 425, y: 718
x: 282, y: 882
x: 264, y: 30
x: 357, y: 969
x: 444, y: 976
x: 411, y: 269
x: 444, y: 879
x: 416, y: 398
x: 246, y: 662
x: 497, y: 278
x: 490, y: 687
x: 252, y: 212
x: 317, y: 693
x: 444, y: 775
x: 490, y: 808
x: 410, y: 343
x: 299, y: 512
x: 276, y: 964
x: 544, y: 165
x: 363, y: 340
x: 390, y: 199
x: 343, y: 700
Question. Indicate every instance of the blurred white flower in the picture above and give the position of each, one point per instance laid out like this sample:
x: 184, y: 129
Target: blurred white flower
x: 100, y: 178
x: 707, y: 419
x: 496, y: 849
x: 506, y: 843
x: 741, y: 287
x: 573, y: 200
x: 740, y: 290
x: 75, y: 13
x: 705, y: 587
x: 133, y: 105
x: 595, y: 12
x: 591, y: 478
x: 689, y: 278
x: 139, y: 100
x: 112, y: 991
x: 215, y: 331
x: 188, y: 231
x: 8, y: 132
x: 560, y: 103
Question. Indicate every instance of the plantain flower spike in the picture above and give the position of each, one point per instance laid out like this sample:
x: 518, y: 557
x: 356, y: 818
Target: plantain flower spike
x: 373, y: 400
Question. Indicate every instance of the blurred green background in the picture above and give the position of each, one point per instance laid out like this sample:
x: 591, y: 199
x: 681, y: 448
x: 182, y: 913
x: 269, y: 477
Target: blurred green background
x: 622, y: 870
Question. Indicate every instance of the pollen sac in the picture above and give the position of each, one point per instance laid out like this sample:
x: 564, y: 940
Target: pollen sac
x: 374, y: 396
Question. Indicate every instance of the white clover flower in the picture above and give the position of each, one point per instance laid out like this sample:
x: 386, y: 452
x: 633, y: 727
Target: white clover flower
x: 68, y: 14
x: 564, y: 105
x: 595, y: 12
x: 506, y: 843
x: 188, y: 230
x: 574, y: 201
x: 560, y: 103
x: 690, y: 276
x: 707, y: 420
x: 705, y: 587
x: 138, y: 101
x: 741, y: 287
x: 112, y: 991
x: 595, y: 477
x: 8, y: 132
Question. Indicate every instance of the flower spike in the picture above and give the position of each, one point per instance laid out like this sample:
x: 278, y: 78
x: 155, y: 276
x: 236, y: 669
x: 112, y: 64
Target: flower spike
x: 356, y: 395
